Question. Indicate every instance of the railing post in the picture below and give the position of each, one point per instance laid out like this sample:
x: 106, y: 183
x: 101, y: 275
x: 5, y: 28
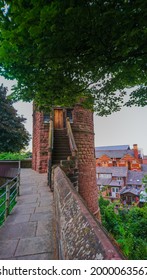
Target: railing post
x: 18, y: 183
x: 7, y: 201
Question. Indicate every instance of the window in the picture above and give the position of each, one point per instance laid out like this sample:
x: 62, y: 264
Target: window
x: 115, y: 190
x: 105, y: 175
x: 119, y: 178
x: 69, y: 115
x: 46, y: 118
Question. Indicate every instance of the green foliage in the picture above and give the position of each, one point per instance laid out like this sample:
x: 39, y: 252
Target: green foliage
x: 128, y: 227
x: 144, y: 180
x: 3, y: 199
x: 14, y: 156
x: 13, y: 135
x: 103, y: 203
x: 63, y: 50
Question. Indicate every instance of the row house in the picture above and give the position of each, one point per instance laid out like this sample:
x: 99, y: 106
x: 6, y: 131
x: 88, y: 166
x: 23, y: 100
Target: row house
x: 111, y: 180
x: 120, y: 183
x: 119, y: 156
x: 134, y: 186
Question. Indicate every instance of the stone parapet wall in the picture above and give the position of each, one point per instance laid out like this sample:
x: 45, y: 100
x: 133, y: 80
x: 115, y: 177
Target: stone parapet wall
x: 79, y: 235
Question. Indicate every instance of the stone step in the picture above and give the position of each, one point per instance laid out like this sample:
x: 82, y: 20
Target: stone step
x: 61, y: 146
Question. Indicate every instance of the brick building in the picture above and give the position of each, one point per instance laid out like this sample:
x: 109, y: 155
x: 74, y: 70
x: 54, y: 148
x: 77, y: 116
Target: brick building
x: 120, y: 156
x: 82, y: 130
x: 120, y: 171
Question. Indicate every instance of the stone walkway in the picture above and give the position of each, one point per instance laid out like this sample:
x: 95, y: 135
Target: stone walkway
x: 28, y: 233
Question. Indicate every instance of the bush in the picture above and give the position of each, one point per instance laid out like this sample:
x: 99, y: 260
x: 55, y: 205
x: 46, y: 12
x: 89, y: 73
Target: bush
x: 14, y: 156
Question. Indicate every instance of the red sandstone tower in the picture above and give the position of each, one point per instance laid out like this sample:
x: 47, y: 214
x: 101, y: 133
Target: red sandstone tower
x: 81, y: 121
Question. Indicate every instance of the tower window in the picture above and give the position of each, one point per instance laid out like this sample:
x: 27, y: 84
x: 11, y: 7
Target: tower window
x: 46, y: 118
x: 69, y: 115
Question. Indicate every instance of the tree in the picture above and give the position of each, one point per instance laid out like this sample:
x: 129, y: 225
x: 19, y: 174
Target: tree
x: 128, y: 227
x: 63, y: 50
x: 13, y: 135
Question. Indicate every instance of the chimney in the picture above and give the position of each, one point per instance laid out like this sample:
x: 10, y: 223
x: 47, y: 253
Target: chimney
x: 135, y: 149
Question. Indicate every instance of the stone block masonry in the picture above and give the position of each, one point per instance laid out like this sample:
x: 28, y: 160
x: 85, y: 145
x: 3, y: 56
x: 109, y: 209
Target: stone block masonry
x: 79, y: 235
x: 40, y: 143
x: 83, y: 132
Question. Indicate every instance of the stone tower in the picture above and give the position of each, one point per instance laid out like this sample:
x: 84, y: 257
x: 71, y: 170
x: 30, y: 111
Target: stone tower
x: 83, y: 131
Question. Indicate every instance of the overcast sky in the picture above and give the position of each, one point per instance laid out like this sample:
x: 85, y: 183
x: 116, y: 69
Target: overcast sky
x: 121, y: 128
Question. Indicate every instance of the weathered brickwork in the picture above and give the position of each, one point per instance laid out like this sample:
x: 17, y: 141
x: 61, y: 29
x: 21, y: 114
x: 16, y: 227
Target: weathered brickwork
x: 40, y: 143
x: 79, y: 235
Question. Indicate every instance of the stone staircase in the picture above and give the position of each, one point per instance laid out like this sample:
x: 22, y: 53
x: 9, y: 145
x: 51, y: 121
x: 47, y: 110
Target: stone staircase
x: 61, y: 148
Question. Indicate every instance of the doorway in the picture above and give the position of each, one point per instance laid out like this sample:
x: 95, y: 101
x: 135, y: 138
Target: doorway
x: 58, y: 118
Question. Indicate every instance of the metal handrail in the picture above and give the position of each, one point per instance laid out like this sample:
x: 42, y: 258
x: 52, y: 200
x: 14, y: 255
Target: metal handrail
x: 72, y: 143
x: 7, y: 196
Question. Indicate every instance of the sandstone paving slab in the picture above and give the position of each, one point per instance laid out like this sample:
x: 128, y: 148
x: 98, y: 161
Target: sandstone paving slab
x: 7, y: 248
x: 34, y: 245
x: 27, y: 192
x: 12, y: 218
x: 43, y: 256
x: 44, y: 228
x: 26, y: 200
x: 45, y: 198
x: 44, y: 189
x: 28, y: 205
x: 28, y: 232
x: 45, y: 203
x: 19, y: 230
x: 23, y: 210
x: 41, y: 217
x: 29, y: 197
x: 43, y: 209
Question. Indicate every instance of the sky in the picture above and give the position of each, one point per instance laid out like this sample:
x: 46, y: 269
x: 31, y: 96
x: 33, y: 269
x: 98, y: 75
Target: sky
x: 126, y: 127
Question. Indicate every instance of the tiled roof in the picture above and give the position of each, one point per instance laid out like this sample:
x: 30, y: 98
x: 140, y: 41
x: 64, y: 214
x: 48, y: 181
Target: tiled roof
x: 144, y: 168
x: 116, y: 183
x: 103, y: 181
x: 113, y: 153
x: 135, y: 177
x: 109, y: 182
x: 135, y: 191
x: 112, y: 148
x: 115, y: 171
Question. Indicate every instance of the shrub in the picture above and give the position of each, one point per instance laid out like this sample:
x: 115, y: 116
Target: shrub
x: 14, y: 156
